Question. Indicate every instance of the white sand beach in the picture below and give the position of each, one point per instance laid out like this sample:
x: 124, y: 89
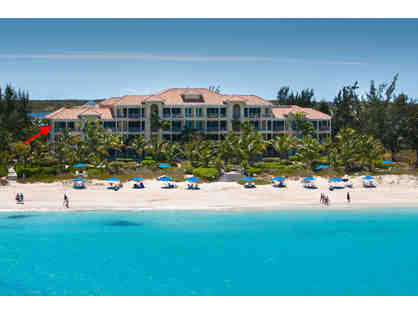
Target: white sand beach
x: 391, y: 190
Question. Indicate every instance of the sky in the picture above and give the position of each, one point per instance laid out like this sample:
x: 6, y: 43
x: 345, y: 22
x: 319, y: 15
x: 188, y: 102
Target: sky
x: 92, y: 59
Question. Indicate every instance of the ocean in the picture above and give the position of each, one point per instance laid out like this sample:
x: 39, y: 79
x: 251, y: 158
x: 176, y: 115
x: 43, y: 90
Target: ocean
x: 361, y: 252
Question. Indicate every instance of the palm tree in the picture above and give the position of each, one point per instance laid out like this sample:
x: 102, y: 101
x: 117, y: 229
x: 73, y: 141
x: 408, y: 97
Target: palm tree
x: 283, y: 144
x: 347, y: 146
x: 309, y: 150
x: 250, y: 145
x: 371, y: 149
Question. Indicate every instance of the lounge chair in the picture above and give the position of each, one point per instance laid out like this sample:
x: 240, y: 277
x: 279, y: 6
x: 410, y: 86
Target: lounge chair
x: 310, y: 185
x: 369, y: 184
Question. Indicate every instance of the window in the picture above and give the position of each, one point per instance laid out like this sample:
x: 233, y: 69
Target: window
x: 199, y: 125
x: 166, y: 112
x: 189, y: 124
x: 189, y: 112
x: 199, y: 112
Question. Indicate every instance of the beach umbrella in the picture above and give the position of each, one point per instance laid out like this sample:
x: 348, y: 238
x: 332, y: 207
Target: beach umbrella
x: 79, y: 165
x: 368, y: 178
x: 321, y: 167
x: 249, y: 179
x: 309, y: 179
x: 192, y: 179
x: 164, y: 166
x: 113, y: 179
x: 386, y: 162
x: 137, y: 179
x: 335, y: 179
x: 278, y: 179
x: 165, y: 179
x: 78, y: 180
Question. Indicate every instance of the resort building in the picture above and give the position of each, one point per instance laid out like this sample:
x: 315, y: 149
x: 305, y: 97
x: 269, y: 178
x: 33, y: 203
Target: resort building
x: 169, y: 113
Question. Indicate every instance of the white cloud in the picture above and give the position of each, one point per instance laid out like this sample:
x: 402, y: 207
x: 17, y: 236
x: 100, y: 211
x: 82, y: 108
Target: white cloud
x: 153, y: 57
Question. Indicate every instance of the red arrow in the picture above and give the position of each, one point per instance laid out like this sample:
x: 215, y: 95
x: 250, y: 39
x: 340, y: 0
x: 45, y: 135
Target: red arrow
x: 44, y: 131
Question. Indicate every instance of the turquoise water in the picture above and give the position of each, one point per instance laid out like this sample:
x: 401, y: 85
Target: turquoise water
x: 210, y: 253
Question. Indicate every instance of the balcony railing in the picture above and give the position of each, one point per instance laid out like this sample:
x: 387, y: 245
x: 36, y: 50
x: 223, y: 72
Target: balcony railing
x: 135, y: 116
x: 267, y: 115
x: 179, y: 115
x: 135, y: 130
x: 252, y: 115
x: 215, y: 129
x: 324, y: 128
x: 216, y: 115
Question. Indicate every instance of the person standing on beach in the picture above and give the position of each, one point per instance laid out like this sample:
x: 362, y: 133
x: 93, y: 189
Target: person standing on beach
x: 348, y: 197
x: 66, y: 201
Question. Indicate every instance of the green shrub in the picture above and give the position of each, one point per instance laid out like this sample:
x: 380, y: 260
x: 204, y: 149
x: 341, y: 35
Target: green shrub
x: 252, y: 171
x: 148, y: 163
x: 209, y: 174
x: 124, y: 159
x: 187, y: 166
x: 3, y: 172
x: 294, y: 158
x: 271, y: 159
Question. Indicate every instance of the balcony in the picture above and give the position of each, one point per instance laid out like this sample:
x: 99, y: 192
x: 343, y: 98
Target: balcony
x: 236, y: 116
x: 324, y: 128
x: 267, y: 115
x: 278, y: 129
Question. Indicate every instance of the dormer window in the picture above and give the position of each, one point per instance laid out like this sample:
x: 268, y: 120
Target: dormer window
x: 192, y: 98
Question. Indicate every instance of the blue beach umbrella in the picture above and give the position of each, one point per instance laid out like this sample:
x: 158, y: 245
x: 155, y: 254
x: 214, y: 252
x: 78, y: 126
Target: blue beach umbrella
x: 321, y: 167
x: 78, y: 180
x: 368, y: 178
x: 335, y: 179
x: 113, y: 179
x: 79, y: 165
x: 192, y: 179
x: 249, y: 179
x: 386, y: 162
x: 137, y: 179
x: 278, y: 179
x: 309, y: 179
x: 165, y: 179
x: 164, y: 166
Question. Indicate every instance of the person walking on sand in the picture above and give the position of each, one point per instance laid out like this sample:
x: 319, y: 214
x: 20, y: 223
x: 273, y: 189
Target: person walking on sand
x: 17, y: 198
x: 321, y: 200
x: 21, y: 197
x: 66, y: 201
x: 348, y: 197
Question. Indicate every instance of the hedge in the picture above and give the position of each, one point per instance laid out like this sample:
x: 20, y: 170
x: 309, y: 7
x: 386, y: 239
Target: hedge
x: 209, y: 174
x: 3, y: 172
x: 37, y: 171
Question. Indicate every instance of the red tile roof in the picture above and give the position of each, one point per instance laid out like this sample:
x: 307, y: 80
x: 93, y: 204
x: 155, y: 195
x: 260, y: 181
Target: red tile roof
x: 73, y: 113
x: 174, y: 96
x: 312, y: 114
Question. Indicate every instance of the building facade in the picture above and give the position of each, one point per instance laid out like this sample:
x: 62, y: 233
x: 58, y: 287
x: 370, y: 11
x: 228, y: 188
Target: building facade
x: 170, y: 112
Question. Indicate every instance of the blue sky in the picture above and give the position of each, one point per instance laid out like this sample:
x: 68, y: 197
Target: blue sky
x: 87, y: 59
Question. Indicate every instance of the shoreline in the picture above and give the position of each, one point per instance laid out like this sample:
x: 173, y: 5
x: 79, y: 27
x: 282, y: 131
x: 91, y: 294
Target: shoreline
x: 391, y: 191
